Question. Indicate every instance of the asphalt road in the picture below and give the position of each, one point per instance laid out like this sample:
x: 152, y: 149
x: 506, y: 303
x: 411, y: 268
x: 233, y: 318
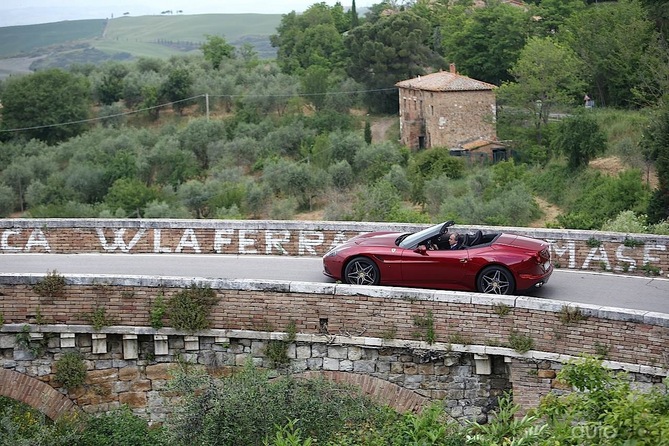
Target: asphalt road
x: 641, y: 293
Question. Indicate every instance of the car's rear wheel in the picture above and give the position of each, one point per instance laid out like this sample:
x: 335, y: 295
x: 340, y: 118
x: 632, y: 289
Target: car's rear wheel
x: 496, y: 280
x: 362, y: 271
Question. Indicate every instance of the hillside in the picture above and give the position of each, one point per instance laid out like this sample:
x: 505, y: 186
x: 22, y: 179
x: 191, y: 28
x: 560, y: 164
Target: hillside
x: 25, y: 48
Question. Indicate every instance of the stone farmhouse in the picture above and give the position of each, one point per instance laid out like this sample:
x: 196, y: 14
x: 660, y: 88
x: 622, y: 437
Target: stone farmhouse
x: 447, y: 109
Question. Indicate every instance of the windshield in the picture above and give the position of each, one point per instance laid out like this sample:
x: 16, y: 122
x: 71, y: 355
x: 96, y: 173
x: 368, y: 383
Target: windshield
x: 410, y: 241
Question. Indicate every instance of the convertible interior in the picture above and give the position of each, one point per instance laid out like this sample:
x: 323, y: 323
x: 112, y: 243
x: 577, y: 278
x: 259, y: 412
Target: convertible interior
x: 467, y: 240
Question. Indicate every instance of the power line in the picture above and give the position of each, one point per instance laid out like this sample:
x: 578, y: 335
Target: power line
x: 101, y: 118
x: 167, y: 104
x: 330, y: 93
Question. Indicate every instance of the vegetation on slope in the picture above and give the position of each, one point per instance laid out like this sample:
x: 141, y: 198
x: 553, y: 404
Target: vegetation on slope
x: 227, y: 135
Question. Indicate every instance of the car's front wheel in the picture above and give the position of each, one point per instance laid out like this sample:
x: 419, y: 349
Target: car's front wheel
x: 496, y: 280
x: 362, y: 271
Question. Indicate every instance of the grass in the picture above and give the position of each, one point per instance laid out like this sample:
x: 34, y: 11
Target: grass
x: 24, y: 40
x: 191, y: 28
x: 144, y: 36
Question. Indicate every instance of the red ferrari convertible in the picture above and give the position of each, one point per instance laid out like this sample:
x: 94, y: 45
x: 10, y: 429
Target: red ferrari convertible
x: 495, y: 263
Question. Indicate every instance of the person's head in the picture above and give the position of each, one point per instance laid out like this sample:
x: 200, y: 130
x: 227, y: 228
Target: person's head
x: 453, y: 239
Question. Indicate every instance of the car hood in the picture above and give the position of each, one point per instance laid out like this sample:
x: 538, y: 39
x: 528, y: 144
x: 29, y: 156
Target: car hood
x: 376, y: 239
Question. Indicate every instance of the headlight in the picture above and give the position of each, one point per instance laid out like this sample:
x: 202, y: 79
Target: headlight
x: 332, y: 252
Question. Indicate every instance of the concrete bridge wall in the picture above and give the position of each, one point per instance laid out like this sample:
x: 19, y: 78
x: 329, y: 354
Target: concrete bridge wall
x: 376, y: 336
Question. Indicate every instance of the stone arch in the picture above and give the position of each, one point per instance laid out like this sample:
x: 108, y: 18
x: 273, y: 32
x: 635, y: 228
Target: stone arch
x: 399, y: 398
x: 34, y: 393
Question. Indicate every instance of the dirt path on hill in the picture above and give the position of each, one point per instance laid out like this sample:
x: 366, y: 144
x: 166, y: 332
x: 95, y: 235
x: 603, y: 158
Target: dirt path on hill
x: 380, y: 129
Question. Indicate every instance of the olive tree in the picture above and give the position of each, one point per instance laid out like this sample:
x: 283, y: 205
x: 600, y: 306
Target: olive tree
x: 50, y: 105
x: 580, y: 139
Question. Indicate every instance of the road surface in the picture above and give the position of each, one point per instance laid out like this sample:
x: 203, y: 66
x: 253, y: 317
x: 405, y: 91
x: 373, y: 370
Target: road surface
x: 641, y: 293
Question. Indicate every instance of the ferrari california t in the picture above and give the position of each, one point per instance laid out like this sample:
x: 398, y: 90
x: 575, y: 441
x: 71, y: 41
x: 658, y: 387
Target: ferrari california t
x: 495, y: 262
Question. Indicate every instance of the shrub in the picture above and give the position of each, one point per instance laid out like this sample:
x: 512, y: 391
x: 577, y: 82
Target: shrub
x: 71, y: 370
x: 580, y: 139
x: 571, y: 315
x: 189, y: 309
x: 53, y: 285
x: 157, y: 312
x: 245, y: 408
x: 374, y: 161
x: 21, y: 425
x: 376, y: 202
x: 506, y: 425
x: 120, y: 427
x: 277, y: 349
x: 605, y: 406
x: 99, y: 318
x: 426, y: 323
x: 430, y: 164
x: 520, y: 342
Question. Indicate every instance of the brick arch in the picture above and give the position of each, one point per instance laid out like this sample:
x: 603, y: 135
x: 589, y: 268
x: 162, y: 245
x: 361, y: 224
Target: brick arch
x: 399, y: 398
x: 34, y: 393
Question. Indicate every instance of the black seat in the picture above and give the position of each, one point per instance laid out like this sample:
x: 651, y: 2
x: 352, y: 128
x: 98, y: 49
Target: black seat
x: 476, y: 239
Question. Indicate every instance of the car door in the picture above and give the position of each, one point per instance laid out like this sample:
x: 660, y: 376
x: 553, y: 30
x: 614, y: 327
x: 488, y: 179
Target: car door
x: 435, y: 269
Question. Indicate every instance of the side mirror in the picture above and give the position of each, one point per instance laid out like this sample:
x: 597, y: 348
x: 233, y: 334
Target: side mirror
x: 421, y: 249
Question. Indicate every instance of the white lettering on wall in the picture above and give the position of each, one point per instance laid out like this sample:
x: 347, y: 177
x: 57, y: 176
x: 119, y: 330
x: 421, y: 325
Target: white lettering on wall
x: 157, y: 242
x: 4, y: 243
x: 37, y: 238
x: 188, y: 240
x: 222, y: 237
x: 597, y: 254
x: 309, y: 243
x: 623, y: 259
x: 338, y: 239
x: 119, y: 241
x: 272, y: 242
x: 559, y: 251
x: 244, y: 242
x: 308, y: 240
x: 646, y: 253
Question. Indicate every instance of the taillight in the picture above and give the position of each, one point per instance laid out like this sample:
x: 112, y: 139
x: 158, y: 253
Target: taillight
x: 542, y: 256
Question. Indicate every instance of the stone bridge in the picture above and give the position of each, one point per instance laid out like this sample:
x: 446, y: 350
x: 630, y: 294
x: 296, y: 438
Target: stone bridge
x: 403, y: 346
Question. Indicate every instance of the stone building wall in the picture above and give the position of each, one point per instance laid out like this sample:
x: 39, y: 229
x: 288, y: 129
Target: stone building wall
x: 446, y: 119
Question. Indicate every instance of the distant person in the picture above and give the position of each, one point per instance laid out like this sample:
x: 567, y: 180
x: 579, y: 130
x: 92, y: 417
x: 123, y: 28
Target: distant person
x: 589, y: 103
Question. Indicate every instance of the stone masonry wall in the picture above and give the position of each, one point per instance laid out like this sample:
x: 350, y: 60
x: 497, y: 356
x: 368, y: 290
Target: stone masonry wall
x: 630, y: 336
x: 582, y: 250
x: 446, y: 119
x: 377, y: 332
x: 401, y: 377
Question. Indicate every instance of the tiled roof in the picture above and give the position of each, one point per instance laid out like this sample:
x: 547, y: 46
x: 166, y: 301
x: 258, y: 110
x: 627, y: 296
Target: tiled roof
x: 445, y: 81
x: 479, y: 143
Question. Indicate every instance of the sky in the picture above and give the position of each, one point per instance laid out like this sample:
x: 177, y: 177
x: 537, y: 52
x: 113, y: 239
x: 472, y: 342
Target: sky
x: 28, y: 12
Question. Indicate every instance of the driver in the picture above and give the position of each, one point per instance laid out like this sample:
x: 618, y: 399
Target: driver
x: 454, y: 241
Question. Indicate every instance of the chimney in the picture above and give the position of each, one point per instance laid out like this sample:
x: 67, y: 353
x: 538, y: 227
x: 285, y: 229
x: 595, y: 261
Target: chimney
x: 453, y: 70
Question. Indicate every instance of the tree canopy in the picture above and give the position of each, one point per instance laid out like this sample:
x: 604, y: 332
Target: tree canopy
x: 485, y: 42
x: 50, y: 105
x: 394, y: 48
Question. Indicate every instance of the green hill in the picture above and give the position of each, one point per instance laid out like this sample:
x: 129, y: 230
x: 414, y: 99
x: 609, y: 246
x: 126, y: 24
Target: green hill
x: 16, y: 41
x: 60, y: 44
